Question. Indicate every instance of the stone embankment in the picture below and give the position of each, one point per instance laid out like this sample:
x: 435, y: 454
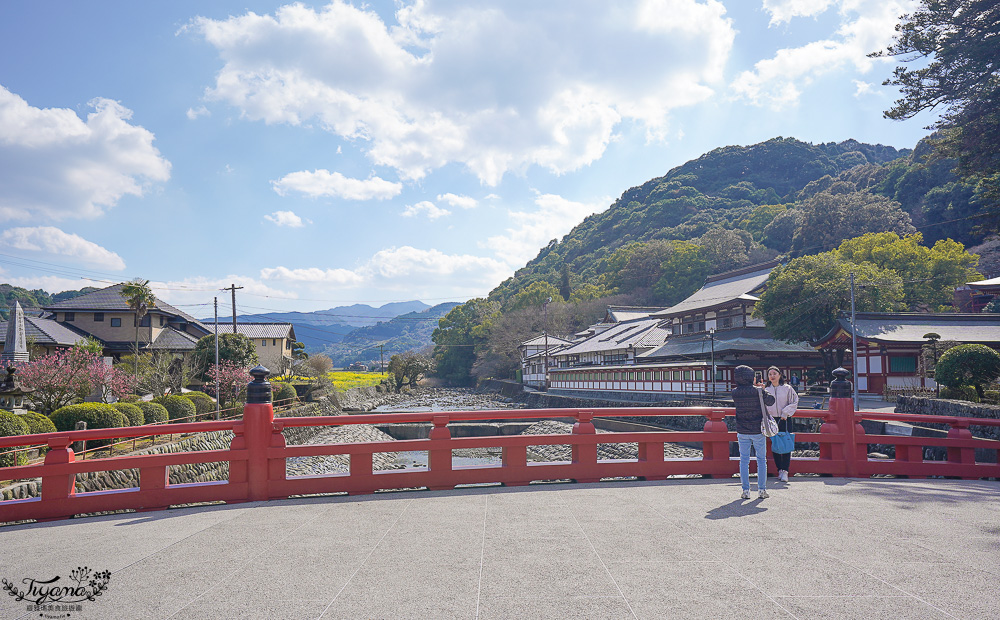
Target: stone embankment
x: 542, y: 400
x: 330, y: 403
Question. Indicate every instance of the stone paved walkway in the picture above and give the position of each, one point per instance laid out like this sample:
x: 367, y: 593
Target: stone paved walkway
x: 819, y: 548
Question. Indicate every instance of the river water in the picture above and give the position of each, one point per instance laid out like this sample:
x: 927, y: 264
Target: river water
x: 448, y: 399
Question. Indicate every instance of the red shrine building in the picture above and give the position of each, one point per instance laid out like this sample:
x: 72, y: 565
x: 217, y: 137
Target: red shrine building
x: 890, y: 343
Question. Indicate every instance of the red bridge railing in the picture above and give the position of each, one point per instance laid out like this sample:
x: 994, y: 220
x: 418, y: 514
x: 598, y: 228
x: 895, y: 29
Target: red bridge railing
x: 258, y: 453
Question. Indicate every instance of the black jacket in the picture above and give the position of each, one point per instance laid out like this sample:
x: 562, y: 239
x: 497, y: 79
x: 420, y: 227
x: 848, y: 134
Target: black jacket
x: 748, y: 412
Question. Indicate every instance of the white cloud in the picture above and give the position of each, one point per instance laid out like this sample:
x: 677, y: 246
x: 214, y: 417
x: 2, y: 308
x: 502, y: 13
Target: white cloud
x: 785, y: 10
x: 54, y: 241
x: 491, y: 85
x: 866, y: 26
x: 863, y: 88
x: 54, y: 165
x: 285, y: 218
x: 194, y: 113
x: 336, y: 277
x: 404, y: 268
x: 320, y: 183
x: 464, y: 202
x: 433, y: 211
x: 555, y: 217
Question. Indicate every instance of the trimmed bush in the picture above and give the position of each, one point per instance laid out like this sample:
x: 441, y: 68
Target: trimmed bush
x: 968, y: 364
x: 38, y: 423
x: 132, y: 413
x: 179, y: 409
x: 283, y: 392
x: 203, y: 403
x: 96, y: 415
x: 152, y: 412
x: 11, y: 424
x: 965, y: 392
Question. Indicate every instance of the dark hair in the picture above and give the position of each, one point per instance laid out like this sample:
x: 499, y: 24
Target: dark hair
x: 781, y: 375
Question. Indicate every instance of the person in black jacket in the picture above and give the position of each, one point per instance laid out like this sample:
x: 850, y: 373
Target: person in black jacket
x: 747, y: 396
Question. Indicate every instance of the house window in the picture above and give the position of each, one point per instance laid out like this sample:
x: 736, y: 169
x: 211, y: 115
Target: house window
x: 70, y: 316
x: 677, y: 375
x: 161, y: 320
x: 699, y: 375
x: 274, y: 342
x: 903, y: 364
x: 144, y: 322
x: 98, y: 317
x: 116, y: 322
x: 701, y: 326
x: 687, y: 375
x: 263, y: 343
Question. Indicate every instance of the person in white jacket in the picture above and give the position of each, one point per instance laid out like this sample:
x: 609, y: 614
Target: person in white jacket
x: 786, y: 401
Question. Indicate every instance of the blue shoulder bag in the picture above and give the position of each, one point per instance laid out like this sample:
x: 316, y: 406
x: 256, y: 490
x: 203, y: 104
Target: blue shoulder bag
x: 783, y: 442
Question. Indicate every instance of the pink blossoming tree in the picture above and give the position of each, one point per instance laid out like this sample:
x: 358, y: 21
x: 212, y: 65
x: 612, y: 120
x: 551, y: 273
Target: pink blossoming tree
x: 228, y: 382
x: 63, y: 377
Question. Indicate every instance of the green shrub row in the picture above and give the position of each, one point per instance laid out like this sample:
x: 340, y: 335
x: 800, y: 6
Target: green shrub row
x: 11, y: 424
x: 96, y: 415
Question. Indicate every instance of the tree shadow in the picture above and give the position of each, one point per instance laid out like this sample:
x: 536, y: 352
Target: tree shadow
x: 736, y: 508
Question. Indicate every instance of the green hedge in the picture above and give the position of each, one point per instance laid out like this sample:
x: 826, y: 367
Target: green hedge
x: 131, y: 412
x: 965, y: 392
x: 283, y: 392
x: 179, y: 409
x: 203, y: 403
x: 11, y: 424
x: 96, y: 415
x: 38, y: 423
x: 152, y: 412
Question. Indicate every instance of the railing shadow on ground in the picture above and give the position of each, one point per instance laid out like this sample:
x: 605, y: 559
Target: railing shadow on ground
x: 258, y: 453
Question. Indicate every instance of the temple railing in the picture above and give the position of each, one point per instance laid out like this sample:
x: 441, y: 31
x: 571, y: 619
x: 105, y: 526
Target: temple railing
x: 258, y: 454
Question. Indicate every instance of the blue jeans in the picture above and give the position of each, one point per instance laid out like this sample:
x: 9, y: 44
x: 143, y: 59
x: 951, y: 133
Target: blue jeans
x: 759, y: 443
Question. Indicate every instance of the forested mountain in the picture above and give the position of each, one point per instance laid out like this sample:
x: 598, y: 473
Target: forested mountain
x: 36, y: 298
x: 731, y: 207
x: 322, y: 328
x: 403, y: 333
x: 755, y: 197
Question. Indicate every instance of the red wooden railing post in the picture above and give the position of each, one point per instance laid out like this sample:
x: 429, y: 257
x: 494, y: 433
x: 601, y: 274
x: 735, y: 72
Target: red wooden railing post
x: 438, y: 459
x: 842, y: 421
x: 63, y: 485
x: 258, y: 425
x: 585, y: 455
x: 716, y: 448
x: 960, y: 430
x: 276, y: 468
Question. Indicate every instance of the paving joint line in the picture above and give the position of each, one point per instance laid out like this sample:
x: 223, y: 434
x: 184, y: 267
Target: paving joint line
x: 247, y: 563
x: 367, y: 557
x: 482, y: 556
x: 605, y: 566
x: 730, y: 566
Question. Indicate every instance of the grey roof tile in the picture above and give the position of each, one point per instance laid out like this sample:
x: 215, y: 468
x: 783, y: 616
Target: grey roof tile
x: 910, y: 327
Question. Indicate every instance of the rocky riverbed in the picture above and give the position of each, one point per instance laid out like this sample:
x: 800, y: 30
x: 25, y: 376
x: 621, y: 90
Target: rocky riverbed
x: 445, y: 399
x: 420, y: 399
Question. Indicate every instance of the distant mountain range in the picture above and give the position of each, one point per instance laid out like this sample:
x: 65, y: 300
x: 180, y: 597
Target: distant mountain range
x: 322, y: 328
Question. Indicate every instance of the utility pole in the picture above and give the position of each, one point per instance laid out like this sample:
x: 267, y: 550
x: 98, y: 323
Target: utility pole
x: 711, y: 336
x: 545, y: 330
x: 854, y: 346
x: 233, y: 288
x: 381, y: 359
x: 215, y: 302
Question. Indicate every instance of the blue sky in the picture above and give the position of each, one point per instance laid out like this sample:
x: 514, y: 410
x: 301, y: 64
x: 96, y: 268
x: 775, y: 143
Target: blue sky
x: 327, y: 154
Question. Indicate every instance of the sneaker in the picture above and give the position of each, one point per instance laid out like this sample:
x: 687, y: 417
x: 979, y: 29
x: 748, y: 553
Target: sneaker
x: 783, y: 475
x: 746, y: 494
x: 763, y: 495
